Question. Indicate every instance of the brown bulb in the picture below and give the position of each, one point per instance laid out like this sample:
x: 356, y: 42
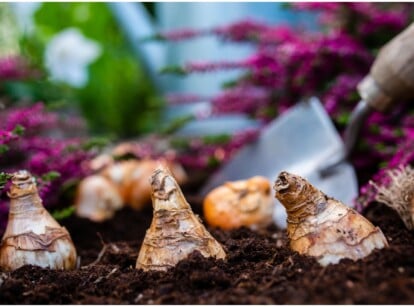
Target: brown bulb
x: 240, y: 203
x: 175, y: 231
x: 323, y: 227
x: 32, y: 235
x: 97, y: 198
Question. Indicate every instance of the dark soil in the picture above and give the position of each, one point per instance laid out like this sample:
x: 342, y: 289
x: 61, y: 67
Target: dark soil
x: 260, y: 269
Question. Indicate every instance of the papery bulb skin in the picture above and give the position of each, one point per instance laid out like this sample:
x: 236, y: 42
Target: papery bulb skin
x: 32, y: 236
x: 131, y: 178
x: 323, y: 227
x: 97, y: 199
x: 240, y: 203
x: 175, y: 231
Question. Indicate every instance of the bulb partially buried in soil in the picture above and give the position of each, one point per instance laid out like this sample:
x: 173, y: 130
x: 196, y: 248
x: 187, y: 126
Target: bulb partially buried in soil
x: 175, y: 231
x: 240, y: 203
x: 32, y: 235
x: 323, y: 227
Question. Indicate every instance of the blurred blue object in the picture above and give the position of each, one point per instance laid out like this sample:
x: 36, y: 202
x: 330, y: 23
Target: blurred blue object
x: 137, y: 24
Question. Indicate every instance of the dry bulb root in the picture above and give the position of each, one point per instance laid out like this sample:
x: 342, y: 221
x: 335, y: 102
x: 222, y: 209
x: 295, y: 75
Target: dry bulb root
x: 240, y: 203
x: 118, y: 184
x: 32, y: 235
x: 175, y: 231
x: 399, y: 193
x: 323, y: 227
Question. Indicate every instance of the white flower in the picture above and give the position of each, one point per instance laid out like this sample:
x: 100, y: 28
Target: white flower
x: 68, y: 55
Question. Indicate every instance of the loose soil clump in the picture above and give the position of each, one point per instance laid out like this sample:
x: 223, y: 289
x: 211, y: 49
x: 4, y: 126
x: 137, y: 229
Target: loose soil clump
x: 260, y: 269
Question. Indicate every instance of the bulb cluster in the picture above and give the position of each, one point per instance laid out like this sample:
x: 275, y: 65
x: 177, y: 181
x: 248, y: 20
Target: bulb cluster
x: 318, y: 226
x: 100, y: 195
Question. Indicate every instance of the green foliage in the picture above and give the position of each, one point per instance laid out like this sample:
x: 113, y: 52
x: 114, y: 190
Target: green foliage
x: 50, y: 176
x: 343, y: 118
x: 119, y: 98
x: 213, y: 162
x: 4, y: 177
x: 18, y: 130
x: 180, y: 143
x: 176, y: 124
x: 3, y: 149
x: 174, y: 70
x: 219, y: 139
x: 63, y: 213
x: 96, y: 142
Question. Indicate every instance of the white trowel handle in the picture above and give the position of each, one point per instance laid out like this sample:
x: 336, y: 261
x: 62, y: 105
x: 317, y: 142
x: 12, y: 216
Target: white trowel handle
x: 392, y: 75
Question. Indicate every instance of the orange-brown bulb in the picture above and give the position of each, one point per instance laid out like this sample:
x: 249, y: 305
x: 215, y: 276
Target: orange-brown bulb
x: 240, y: 203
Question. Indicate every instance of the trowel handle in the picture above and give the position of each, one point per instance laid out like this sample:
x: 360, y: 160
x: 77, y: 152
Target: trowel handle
x: 391, y: 77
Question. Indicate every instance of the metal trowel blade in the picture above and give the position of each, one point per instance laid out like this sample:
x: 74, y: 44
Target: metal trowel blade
x: 299, y: 141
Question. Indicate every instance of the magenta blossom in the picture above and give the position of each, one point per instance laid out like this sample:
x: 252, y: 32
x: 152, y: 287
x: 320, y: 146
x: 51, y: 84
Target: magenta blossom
x: 40, y: 147
x: 12, y: 68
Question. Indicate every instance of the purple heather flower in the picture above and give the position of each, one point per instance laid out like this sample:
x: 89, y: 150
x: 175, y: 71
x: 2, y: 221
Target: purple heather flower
x: 40, y: 149
x: 203, y: 67
x: 244, y: 30
x: 184, y: 98
x: 245, y: 99
x: 33, y: 118
x: 13, y: 67
x: 181, y: 34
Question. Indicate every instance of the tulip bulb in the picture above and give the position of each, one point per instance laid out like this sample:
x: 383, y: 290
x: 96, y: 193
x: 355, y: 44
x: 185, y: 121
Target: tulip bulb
x: 175, y: 231
x: 97, y: 199
x: 323, y: 227
x: 399, y: 193
x: 240, y: 203
x: 32, y: 235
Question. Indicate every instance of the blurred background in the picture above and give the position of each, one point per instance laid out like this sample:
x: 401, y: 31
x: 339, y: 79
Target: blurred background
x: 91, y: 56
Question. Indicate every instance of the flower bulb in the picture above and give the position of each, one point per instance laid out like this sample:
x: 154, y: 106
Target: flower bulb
x: 32, y: 236
x: 97, y: 198
x: 240, y: 203
x: 175, y: 231
x: 322, y: 227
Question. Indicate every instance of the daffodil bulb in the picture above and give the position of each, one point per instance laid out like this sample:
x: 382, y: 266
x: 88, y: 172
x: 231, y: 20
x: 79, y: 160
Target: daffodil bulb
x: 32, y: 236
x: 131, y: 178
x: 175, y: 231
x: 240, y: 203
x: 97, y: 198
x: 322, y: 227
